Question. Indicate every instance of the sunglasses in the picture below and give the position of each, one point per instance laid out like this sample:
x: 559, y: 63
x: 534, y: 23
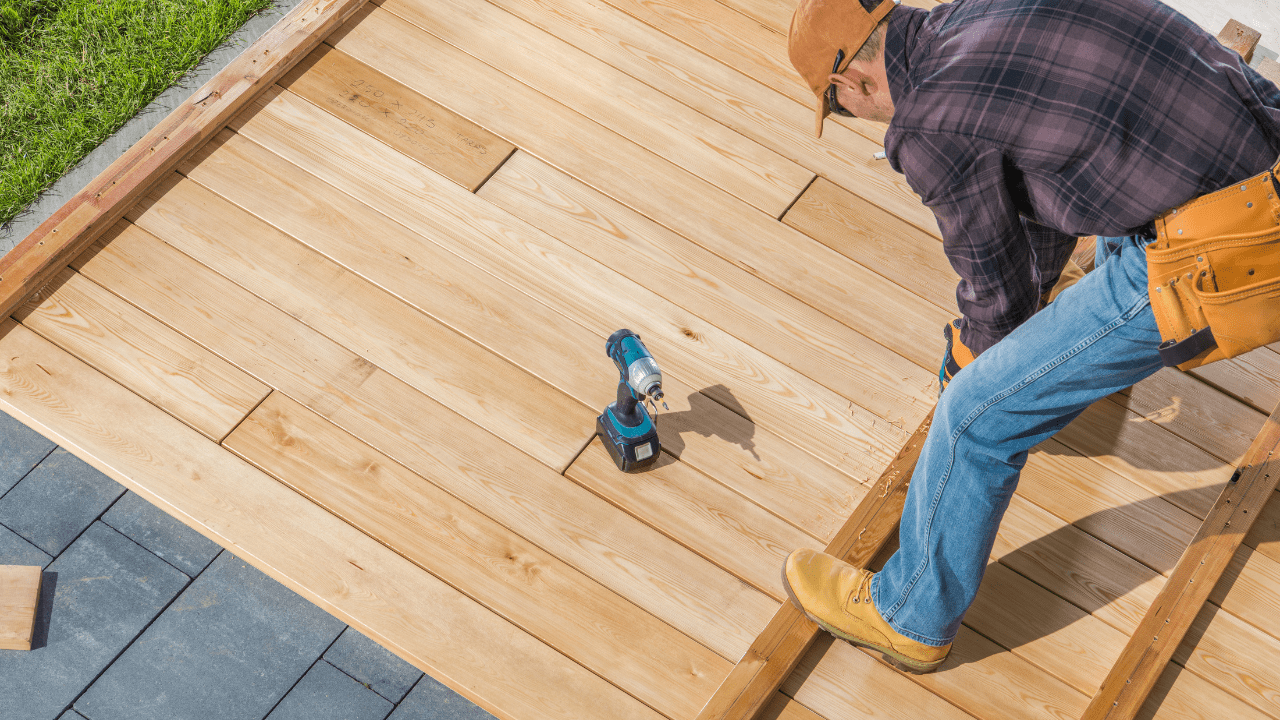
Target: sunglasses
x: 832, y: 102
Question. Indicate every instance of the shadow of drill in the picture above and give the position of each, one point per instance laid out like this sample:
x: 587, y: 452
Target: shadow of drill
x: 722, y: 417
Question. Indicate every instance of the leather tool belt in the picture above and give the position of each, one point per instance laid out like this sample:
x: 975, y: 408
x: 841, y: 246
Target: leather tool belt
x: 1214, y: 273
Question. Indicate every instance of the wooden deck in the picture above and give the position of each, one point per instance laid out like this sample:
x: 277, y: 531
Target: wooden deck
x: 358, y: 339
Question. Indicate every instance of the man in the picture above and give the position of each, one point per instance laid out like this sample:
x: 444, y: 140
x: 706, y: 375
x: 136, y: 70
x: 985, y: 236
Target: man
x: 1022, y: 124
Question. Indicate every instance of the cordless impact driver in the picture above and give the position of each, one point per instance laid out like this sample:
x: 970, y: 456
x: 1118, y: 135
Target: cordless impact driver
x: 625, y: 427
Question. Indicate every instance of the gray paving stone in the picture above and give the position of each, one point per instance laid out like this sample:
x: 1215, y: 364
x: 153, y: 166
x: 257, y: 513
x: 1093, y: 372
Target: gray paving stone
x: 16, y: 551
x: 21, y: 449
x: 159, y: 532
x: 71, y: 715
x: 430, y: 700
x: 327, y: 693
x: 98, y: 595
x: 228, y: 648
x: 57, y: 500
x: 369, y: 662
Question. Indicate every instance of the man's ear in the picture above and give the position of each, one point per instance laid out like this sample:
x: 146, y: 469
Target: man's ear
x: 842, y: 81
x: 863, y: 85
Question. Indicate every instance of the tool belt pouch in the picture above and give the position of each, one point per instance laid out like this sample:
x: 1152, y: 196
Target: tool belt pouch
x: 1214, y: 273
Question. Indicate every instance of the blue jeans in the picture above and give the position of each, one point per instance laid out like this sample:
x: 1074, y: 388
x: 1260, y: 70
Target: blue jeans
x: 1097, y: 337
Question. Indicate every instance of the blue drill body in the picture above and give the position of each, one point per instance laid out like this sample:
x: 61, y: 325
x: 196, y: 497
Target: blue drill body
x: 625, y: 426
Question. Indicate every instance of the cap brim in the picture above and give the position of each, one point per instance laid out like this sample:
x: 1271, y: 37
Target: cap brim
x: 823, y: 112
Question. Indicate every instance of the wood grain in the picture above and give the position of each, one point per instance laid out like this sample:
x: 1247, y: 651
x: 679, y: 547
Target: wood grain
x: 533, y: 501
x: 730, y: 370
x: 696, y: 512
x: 1182, y: 695
x: 415, y: 125
x: 548, y: 344
x: 1076, y: 566
x: 141, y: 353
x: 1120, y: 512
x: 1240, y: 38
x: 601, y: 94
x: 529, y: 414
x: 1133, y: 676
x: 328, y: 562
x: 92, y: 211
x: 717, y: 291
x: 1253, y: 378
x: 782, y: 645
x: 19, y: 597
x: 706, y: 215
x: 724, y: 92
x: 497, y: 568
x: 870, y: 235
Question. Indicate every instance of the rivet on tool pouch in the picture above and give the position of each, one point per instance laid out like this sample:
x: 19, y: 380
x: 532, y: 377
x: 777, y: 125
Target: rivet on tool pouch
x: 1214, y: 273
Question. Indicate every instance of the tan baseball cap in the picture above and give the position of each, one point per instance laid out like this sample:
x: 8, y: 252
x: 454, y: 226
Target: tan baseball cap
x: 821, y: 28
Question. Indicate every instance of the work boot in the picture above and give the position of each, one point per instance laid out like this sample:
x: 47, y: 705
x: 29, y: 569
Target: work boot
x: 837, y: 596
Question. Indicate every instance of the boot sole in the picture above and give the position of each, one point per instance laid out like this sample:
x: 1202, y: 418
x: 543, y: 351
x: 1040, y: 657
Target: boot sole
x: 897, y: 660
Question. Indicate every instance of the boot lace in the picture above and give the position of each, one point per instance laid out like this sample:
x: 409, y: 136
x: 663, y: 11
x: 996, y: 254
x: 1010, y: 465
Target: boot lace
x: 862, y: 593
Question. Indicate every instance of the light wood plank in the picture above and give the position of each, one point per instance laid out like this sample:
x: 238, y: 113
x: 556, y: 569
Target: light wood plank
x: 1131, y: 518
x: 630, y: 558
x: 838, y: 681
x: 1233, y: 655
x: 141, y: 353
x: 778, y: 254
x: 1044, y: 629
x: 870, y: 235
x: 94, y: 210
x: 717, y: 291
x: 1199, y: 569
x: 978, y: 677
x: 313, y: 553
x: 19, y: 597
x: 783, y: 643
x: 498, y: 569
x: 773, y: 395
x: 595, y: 90
x: 718, y: 441
x: 696, y: 512
x: 1250, y: 589
x: 1180, y: 694
x: 452, y: 146
x: 1253, y: 377
x: 1195, y: 412
x: 1126, y: 443
x: 1076, y: 566
x: 721, y: 92
x: 348, y: 309
x: 1240, y: 37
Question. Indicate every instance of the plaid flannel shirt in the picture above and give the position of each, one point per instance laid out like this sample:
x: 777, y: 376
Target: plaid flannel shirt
x: 1024, y: 124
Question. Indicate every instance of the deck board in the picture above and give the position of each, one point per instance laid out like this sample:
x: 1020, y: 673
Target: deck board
x: 417, y: 242
x: 635, y: 561
x: 705, y: 357
x: 533, y: 416
x: 495, y: 567
x: 686, y: 204
x: 359, y: 580
x: 453, y: 146
x: 619, y: 102
x: 153, y: 360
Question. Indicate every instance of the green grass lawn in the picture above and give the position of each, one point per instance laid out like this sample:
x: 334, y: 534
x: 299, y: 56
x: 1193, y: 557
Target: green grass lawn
x: 73, y: 71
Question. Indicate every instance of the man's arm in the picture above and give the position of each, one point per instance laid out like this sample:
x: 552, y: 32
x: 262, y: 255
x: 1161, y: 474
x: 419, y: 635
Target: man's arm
x: 986, y: 240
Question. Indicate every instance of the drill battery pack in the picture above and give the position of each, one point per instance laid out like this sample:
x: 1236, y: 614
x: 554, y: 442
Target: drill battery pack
x: 632, y: 448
